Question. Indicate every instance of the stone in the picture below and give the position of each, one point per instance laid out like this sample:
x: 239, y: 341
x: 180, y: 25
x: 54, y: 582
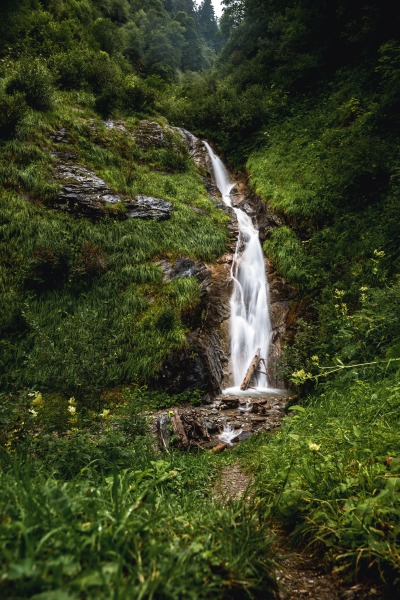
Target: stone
x: 85, y: 193
x: 147, y: 207
x: 117, y: 125
x: 244, y: 435
x: 150, y: 134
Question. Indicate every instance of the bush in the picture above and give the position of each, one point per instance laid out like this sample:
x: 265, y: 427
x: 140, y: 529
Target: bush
x: 12, y: 109
x: 71, y: 68
x: 136, y: 95
x: 104, y: 74
x: 33, y: 79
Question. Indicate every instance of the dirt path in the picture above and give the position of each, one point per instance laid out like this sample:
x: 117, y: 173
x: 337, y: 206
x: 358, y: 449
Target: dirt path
x: 299, y: 573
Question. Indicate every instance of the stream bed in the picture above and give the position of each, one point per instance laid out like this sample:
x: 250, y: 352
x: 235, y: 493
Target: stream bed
x: 229, y: 420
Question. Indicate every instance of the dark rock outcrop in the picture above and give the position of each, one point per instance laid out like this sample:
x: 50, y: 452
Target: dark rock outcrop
x: 201, y: 364
x: 147, y: 207
x: 151, y: 134
x: 82, y: 192
x: 183, y: 267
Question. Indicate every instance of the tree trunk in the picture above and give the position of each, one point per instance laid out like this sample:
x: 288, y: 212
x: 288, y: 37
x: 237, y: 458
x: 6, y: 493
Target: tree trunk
x: 251, y: 371
x: 179, y: 430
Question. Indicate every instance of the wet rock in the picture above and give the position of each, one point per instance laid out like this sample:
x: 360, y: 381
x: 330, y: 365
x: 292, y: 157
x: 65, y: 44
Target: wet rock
x: 257, y: 419
x: 258, y: 408
x: 199, y: 154
x: 212, y: 426
x: 150, y: 134
x: 147, y: 207
x: 85, y: 193
x: 117, y: 125
x: 229, y: 403
x: 244, y: 435
x: 205, y: 424
x: 186, y: 267
x: 183, y: 267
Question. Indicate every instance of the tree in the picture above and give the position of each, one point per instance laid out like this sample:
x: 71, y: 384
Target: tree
x: 208, y: 23
x: 192, y: 51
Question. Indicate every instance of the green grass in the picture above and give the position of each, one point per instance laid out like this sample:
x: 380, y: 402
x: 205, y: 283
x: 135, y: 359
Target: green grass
x: 91, y: 509
x: 331, y: 476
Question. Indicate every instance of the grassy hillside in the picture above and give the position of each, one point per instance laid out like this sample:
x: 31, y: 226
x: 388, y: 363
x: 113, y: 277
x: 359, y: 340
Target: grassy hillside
x: 86, y: 303
x: 86, y: 307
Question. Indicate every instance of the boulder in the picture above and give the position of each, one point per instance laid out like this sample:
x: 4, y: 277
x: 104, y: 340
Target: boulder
x: 151, y: 134
x: 83, y: 192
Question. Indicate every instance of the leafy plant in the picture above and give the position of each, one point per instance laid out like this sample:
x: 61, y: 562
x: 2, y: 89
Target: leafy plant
x: 32, y: 79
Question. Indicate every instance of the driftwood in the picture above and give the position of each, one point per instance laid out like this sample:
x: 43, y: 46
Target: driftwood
x: 251, y: 371
x: 219, y: 448
x: 179, y: 430
x: 182, y: 428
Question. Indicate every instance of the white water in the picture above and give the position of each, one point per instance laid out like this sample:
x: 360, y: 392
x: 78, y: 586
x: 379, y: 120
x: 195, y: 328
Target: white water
x: 229, y: 433
x: 250, y: 320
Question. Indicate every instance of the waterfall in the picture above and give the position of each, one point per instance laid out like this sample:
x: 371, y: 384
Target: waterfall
x: 250, y: 323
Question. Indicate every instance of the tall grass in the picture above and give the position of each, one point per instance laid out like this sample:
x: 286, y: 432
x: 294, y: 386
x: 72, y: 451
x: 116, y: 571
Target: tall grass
x: 91, y: 509
x: 332, y: 475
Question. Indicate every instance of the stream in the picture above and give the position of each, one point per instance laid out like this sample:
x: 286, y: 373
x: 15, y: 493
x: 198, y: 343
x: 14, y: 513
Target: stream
x: 250, y: 322
x: 236, y: 414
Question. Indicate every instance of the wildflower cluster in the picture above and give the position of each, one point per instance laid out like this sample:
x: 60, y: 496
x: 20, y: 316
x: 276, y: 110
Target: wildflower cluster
x: 73, y: 418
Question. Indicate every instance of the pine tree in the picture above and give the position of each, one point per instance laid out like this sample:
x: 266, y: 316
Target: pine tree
x: 208, y: 23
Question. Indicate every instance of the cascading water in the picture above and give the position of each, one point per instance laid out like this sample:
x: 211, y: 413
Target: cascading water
x: 250, y: 320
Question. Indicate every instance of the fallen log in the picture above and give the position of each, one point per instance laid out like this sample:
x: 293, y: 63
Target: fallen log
x: 179, y: 430
x: 219, y: 448
x: 251, y: 371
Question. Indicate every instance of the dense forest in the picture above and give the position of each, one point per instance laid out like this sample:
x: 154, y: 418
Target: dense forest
x: 302, y: 98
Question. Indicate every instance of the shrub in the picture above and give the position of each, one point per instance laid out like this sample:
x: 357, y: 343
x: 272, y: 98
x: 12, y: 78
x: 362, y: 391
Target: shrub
x: 71, y: 68
x: 12, y: 109
x: 136, y: 95
x: 33, y: 79
x: 104, y: 74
